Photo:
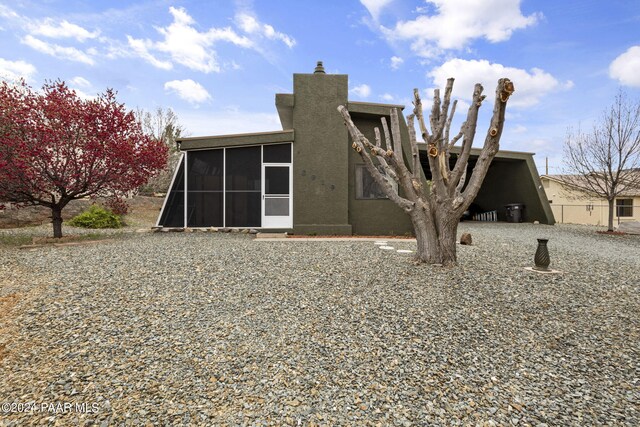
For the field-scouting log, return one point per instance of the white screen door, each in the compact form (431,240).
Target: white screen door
(276,196)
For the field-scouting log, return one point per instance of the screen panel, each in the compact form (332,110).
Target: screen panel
(205,170)
(204,188)
(276,180)
(243,169)
(243,209)
(173,213)
(276,206)
(205,209)
(278,153)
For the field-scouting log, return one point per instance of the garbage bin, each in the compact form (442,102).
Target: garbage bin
(515,212)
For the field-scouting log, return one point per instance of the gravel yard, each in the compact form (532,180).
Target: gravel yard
(219,329)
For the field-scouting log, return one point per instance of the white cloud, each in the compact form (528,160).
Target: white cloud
(375,6)
(6,12)
(530,86)
(184,44)
(14,70)
(626,67)
(64,29)
(80,81)
(62,52)
(188,90)
(396,62)
(457,23)
(141,48)
(361,91)
(250,24)
(83,95)
(387,97)
(519,129)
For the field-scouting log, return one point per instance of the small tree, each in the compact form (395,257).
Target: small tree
(606,161)
(56,147)
(162,124)
(435,207)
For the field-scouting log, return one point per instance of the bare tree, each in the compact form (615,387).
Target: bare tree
(435,207)
(162,124)
(606,161)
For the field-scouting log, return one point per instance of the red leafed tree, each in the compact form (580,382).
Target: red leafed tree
(56,147)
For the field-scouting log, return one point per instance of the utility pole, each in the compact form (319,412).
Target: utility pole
(546,166)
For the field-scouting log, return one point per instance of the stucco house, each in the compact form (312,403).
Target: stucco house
(306,179)
(574,206)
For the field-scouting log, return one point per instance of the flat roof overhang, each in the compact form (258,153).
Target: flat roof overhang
(234,140)
(371,108)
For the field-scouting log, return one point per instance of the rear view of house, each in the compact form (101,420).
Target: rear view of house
(307,179)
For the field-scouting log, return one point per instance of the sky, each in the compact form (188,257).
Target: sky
(218,64)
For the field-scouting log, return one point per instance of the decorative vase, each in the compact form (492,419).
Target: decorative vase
(541,258)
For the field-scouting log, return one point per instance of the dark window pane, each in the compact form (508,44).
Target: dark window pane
(278,153)
(205,209)
(624,207)
(243,209)
(205,170)
(366,186)
(276,180)
(173,213)
(243,169)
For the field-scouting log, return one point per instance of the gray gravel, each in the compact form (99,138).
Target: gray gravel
(219,329)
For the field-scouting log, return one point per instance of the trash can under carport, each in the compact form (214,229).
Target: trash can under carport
(515,212)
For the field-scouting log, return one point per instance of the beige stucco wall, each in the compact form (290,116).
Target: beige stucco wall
(571,206)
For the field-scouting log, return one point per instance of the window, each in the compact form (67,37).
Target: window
(367,187)
(624,207)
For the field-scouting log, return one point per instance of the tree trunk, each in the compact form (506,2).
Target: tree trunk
(434,247)
(611,206)
(56,220)
(447,242)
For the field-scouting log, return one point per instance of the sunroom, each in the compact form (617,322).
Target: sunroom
(240,181)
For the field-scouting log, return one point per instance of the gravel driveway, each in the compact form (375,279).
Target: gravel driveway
(219,329)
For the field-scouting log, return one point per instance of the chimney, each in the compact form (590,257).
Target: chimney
(319,68)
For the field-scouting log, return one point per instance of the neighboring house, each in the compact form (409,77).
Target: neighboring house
(575,206)
(307,178)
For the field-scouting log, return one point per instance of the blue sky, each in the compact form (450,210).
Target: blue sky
(218,64)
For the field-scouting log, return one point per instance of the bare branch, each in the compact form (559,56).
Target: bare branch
(491,143)
(417,110)
(437,176)
(468,130)
(390,172)
(447,126)
(434,117)
(362,143)
(415,152)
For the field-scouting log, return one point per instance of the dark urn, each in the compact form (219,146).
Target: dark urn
(541,258)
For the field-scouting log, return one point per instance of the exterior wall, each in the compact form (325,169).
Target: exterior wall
(320,155)
(570,206)
(380,216)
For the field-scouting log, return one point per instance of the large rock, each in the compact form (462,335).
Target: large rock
(630,227)
(465,239)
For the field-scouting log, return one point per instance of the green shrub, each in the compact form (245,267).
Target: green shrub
(96,217)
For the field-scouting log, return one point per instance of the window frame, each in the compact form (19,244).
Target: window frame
(624,208)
